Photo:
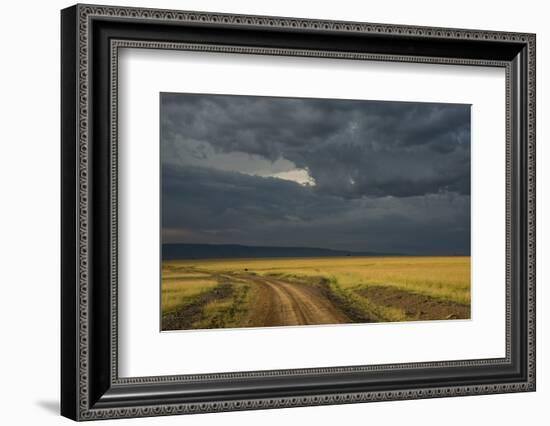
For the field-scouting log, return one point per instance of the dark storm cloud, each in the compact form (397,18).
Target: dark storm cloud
(381,176)
(350,148)
(209,206)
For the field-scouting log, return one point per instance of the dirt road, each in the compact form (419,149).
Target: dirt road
(289,303)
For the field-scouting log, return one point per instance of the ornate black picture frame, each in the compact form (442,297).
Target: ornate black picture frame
(91,387)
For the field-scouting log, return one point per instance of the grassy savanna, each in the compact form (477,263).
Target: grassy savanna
(231,293)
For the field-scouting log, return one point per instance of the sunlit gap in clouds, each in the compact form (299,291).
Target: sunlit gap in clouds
(300,176)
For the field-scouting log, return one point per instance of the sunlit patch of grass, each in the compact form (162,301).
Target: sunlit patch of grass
(440,277)
(443,278)
(178,292)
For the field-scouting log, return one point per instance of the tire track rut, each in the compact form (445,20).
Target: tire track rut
(283,303)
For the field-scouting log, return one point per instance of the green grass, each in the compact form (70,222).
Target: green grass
(227,313)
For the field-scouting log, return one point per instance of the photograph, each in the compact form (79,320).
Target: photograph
(285,211)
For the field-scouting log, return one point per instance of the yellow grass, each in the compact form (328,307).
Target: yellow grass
(440,277)
(180,288)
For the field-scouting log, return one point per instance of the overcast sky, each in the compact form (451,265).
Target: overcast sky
(340,174)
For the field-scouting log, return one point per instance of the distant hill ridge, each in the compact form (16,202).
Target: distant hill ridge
(228,251)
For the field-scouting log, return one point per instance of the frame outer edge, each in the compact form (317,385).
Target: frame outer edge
(83,12)
(83,61)
(531,200)
(69,221)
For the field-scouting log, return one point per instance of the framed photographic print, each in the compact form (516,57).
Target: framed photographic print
(338,188)
(263,212)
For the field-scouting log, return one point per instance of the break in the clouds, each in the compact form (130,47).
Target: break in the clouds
(342,174)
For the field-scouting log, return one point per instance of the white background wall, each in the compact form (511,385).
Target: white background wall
(29,212)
